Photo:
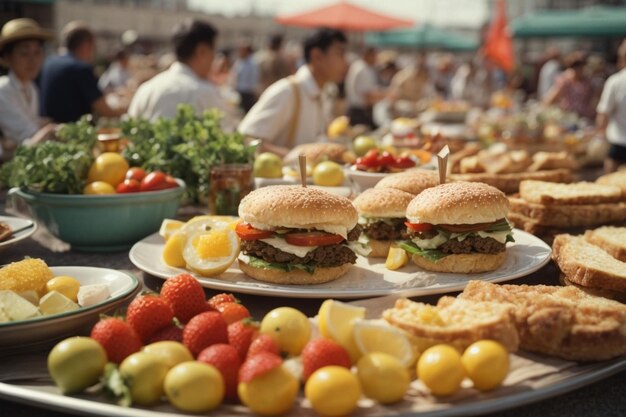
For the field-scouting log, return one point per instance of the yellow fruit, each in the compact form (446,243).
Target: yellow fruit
(371,336)
(98,188)
(289,328)
(441,370)
(486,363)
(146,373)
(26,275)
(207,223)
(270,394)
(169,227)
(194,387)
(170,352)
(211,253)
(333,391)
(338,127)
(173,250)
(328,174)
(336,321)
(268,165)
(396,258)
(383,377)
(76,363)
(65,285)
(362,144)
(109,167)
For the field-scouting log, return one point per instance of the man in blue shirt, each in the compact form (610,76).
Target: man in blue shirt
(246,77)
(68,85)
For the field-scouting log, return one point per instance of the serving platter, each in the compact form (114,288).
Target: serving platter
(368,278)
(25,228)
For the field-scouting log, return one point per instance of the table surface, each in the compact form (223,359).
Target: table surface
(604,398)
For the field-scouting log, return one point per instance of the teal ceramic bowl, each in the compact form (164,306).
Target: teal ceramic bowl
(102,223)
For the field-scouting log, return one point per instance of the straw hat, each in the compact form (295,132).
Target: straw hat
(20,29)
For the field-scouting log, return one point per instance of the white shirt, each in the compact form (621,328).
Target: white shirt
(613,104)
(19,109)
(271,117)
(160,96)
(360,80)
(547,77)
(115,76)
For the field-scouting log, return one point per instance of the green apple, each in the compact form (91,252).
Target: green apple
(362,144)
(268,165)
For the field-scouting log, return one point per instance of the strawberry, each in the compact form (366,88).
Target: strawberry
(233,312)
(240,335)
(263,343)
(185,295)
(323,352)
(118,339)
(171,332)
(204,330)
(148,314)
(221,298)
(257,365)
(226,359)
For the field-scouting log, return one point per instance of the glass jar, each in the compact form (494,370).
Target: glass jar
(229,184)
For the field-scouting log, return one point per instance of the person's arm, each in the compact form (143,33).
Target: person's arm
(42,134)
(606,106)
(555,92)
(14,124)
(101,108)
(602,121)
(267,146)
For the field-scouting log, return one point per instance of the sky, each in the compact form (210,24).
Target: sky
(454,13)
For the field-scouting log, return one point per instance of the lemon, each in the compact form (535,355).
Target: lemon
(109,167)
(383,377)
(211,253)
(362,144)
(441,370)
(173,250)
(333,391)
(486,363)
(270,394)
(396,258)
(328,173)
(195,387)
(338,127)
(336,321)
(371,336)
(98,187)
(172,353)
(169,227)
(207,223)
(268,165)
(76,363)
(146,373)
(65,285)
(289,328)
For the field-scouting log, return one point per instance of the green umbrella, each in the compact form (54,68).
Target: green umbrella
(421,37)
(598,21)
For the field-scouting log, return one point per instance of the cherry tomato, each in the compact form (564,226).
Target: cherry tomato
(171,181)
(128,186)
(402,162)
(419,227)
(247,232)
(312,239)
(370,159)
(154,181)
(135,173)
(386,159)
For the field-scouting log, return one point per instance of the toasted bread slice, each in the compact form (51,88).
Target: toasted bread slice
(611,239)
(559,321)
(542,192)
(455,159)
(509,183)
(552,160)
(598,292)
(587,264)
(454,321)
(471,164)
(569,215)
(617,179)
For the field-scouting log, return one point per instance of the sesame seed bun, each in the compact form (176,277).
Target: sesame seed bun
(297,207)
(412,181)
(458,203)
(295,277)
(465,263)
(382,202)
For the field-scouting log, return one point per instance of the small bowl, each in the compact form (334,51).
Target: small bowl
(362,180)
(102,223)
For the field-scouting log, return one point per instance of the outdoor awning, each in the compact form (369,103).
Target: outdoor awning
(421,37)
(597,21)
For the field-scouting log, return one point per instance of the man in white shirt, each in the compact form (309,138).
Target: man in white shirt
(295,110)
(362,89)
(611,117)
(186,80)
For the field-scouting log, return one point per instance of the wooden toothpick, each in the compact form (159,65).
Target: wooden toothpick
(442,163)
(302,163)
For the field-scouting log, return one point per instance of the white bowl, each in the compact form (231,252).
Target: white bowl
(362,180)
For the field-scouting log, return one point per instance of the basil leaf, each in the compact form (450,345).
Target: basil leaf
(502,226)
(432,255)
(509,238)
(262,264)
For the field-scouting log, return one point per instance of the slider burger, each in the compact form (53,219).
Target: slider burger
(412,181)
(382,217)
(296,235)
(458,227)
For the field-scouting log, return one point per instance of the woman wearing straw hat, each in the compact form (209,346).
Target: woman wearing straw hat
(21,49)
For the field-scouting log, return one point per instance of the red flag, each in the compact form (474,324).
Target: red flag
(498,46)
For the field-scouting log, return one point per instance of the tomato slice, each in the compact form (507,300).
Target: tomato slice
(247,232)
(419,227)
(313,239)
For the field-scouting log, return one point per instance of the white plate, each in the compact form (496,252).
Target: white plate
(45,328)
(16,223)
(368,278)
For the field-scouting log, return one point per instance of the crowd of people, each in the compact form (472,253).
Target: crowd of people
(283,99)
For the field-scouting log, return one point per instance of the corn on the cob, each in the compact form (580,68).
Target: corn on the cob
(25,275)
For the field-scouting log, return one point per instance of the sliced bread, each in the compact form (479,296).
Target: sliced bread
(542,192)
(611,239)
(616,178)
(509,183)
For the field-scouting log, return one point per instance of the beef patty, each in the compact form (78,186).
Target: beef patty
(473,244)
(324,256)
(383,230)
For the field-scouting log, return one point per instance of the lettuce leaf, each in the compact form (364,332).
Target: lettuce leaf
(432,255)
(260,263)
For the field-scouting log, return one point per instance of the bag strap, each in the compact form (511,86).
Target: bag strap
(295,116)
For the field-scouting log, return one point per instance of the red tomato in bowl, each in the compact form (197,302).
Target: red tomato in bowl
(135,173)
(157,180)
(128,186)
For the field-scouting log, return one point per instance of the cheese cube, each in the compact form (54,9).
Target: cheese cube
(31,296)
(89,295)
(4,317)
(54,302)
(16,307)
